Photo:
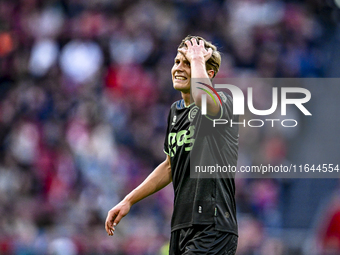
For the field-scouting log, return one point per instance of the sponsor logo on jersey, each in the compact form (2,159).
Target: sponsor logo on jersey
(181,138)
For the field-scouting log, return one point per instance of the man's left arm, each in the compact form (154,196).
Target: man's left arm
(197,55)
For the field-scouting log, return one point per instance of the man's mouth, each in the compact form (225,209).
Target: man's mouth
(180,78)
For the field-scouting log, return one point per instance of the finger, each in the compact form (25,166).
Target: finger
(108,227)
(112,230)
(182,50)
(117,220)
(208,54)
(194,41)
(188,43)
(110,222)
(201,43)
(184,53)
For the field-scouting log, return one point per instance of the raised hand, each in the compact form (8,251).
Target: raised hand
(196,51)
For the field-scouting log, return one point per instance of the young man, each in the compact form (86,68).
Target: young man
(204,217)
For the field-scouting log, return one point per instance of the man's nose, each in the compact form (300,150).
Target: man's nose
(179,67)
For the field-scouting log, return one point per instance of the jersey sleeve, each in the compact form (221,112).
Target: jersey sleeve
(226,109)
(166,140)
(227,101)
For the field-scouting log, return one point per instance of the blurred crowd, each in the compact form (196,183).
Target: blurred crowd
(85,90)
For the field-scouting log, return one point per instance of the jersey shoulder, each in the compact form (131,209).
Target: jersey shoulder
(225,97)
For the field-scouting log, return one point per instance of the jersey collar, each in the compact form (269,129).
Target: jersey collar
(181,105)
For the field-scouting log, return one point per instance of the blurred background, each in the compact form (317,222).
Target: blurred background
(85,90)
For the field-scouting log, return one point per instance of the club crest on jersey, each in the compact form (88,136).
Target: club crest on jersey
(192,113)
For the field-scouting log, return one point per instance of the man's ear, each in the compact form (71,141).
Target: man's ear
(211,74)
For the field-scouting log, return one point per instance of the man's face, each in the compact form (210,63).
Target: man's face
(181,73)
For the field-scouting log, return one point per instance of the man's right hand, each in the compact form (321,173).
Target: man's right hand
(157,180)
(115,215)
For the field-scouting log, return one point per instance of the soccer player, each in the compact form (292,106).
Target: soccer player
(204,216)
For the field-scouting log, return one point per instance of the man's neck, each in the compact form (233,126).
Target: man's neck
(187,98)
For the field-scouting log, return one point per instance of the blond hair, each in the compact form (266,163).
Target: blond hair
(214,62)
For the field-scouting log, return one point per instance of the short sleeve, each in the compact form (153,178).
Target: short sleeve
(226,109)
(227,106)
(166,140)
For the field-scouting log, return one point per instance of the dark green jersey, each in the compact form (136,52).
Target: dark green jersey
(193,143)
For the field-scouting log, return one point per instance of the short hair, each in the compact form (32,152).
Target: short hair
(214,62)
